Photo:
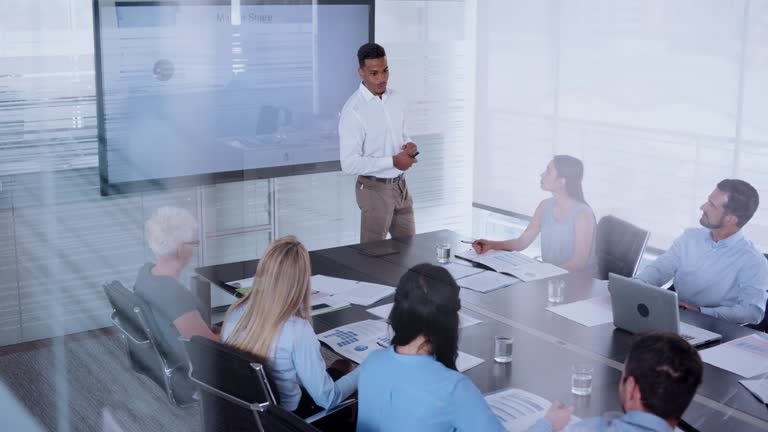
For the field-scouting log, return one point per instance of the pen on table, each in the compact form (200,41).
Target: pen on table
(383,344)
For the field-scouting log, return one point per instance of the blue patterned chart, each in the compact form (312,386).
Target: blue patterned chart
(346,337)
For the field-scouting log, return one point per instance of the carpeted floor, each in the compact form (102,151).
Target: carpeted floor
(98,378)
(95,368)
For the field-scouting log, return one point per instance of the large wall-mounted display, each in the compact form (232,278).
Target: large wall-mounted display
(196,92)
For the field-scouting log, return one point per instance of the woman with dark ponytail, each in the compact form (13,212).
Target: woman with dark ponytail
(414,385)
(565,221)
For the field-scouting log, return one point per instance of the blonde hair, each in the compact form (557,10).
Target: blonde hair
(281,289)
(169,228)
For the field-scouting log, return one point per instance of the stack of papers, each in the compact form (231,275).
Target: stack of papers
(362,293)
(746,356)
(518,409)
(516,264)
(383,312)
(357,340)
(590,312)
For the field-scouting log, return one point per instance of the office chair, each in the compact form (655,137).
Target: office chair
(762,325)
(619,246)
(236,391)
(146,354)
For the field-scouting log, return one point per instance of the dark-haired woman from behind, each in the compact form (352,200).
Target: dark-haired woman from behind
(414,385)
(566,222)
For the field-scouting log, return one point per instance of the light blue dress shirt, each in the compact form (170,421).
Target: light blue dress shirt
(726,279)
(400,393)
(633,421)
(296,361)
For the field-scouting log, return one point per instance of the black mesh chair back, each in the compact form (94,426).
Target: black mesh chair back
(619,246)
(762,325)
(235,389)
(145,353)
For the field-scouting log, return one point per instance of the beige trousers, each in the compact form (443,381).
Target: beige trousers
(385,208)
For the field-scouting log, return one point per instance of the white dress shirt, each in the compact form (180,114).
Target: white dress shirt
(371,131)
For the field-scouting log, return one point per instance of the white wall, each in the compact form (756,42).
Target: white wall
(660,99)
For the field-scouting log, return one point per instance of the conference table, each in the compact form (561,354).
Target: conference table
(545,344)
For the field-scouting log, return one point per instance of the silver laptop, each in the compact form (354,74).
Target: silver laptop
(638,307)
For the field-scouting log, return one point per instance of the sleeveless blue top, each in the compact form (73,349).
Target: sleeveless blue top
(558,237)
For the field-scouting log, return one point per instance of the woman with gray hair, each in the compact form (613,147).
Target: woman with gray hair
(172,235)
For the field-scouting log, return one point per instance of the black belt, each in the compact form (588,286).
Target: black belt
(385,180)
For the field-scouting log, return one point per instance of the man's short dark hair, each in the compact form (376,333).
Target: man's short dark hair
(742,199)
(667,369)
(369,51)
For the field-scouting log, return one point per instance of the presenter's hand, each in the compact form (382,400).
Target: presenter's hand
(482,245)
(410,148)
(559,415)
(403,161)
(689,306)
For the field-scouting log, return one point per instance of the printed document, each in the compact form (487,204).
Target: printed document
(517,410)
(355,341)
(758,387)
(486,281)
(746,356)
(516,264)
(357,292)
(383,312)
(590,312)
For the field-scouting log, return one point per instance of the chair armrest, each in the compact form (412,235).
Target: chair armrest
(327,412)
(133,334)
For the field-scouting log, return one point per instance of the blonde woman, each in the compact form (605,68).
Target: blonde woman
(273,322)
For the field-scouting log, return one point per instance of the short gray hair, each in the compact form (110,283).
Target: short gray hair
(169,228)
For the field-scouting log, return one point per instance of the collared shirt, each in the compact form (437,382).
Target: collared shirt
(296,361)
(371,131)
(727,279)
(633,421)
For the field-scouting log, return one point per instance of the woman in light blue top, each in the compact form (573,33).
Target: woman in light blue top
(273,322)
(565,221)
(414,385)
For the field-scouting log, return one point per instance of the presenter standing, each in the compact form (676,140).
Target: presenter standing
(375,147)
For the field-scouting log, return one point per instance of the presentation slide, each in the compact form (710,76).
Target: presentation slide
(198,89)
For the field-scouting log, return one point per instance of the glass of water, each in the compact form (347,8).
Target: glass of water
(555,290)
(581,378)
(443,252)
(502,351)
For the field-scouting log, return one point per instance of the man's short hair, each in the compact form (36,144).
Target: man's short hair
(667,369)
(370,51)
(169,228)
(742,199)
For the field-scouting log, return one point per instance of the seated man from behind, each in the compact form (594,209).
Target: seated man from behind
(660,378)
(172,235)
(716,270)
